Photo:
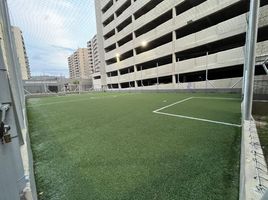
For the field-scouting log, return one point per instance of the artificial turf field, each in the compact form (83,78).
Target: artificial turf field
(113,146)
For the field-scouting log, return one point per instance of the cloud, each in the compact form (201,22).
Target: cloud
(53,29)
(47,61)
(63,48)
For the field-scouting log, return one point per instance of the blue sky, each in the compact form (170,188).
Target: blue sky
(52,30)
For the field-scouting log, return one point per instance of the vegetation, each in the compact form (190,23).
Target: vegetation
(76,82)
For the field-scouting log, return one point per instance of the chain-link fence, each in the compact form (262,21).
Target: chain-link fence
(17,177)
(261,88)
(55,86)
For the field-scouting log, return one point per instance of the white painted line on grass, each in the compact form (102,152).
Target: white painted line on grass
(57,102)
(197,119)
(181,101)
(261,101)
(194,118)
(82,99)
(76,100)
(217,98)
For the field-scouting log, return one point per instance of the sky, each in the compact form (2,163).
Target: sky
(53,30)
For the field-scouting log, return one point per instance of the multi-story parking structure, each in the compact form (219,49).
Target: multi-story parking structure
(169,44)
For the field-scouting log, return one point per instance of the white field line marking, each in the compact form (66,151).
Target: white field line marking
(217,98)
(194,118)
(261,101)
(84,99)
(58,102)
(173,104)
(198,119)
(73,101)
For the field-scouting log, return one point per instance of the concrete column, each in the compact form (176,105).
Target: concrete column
(135,75)
(207,70)
(135,66)
(118,80)
(173,47)
(100,40)
(174,80)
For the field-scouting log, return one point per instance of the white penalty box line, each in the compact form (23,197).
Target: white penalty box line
(195,118)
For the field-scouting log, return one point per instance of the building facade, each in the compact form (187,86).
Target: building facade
(90,56)
(93,54)
(21,53)
(175,44)
(79,64)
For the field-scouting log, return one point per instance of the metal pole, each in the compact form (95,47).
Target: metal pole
(118,79)
(250,57)
(157,75)
(265,68)
(245,57)
(207,70)
(45,88)
(111,85)
(178,73)
(141,77)
(129,78)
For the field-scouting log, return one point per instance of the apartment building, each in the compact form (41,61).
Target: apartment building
(21,53)
(90,57)
(93,54)
(79,64)
(174,44)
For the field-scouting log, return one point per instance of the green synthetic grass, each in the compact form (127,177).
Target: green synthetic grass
(112,146)
(222,110)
